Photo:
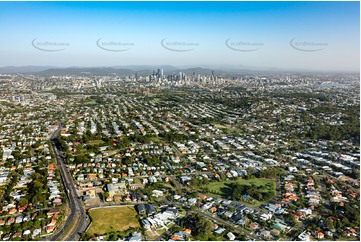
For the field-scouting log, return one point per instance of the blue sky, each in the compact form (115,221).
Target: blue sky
(331,28)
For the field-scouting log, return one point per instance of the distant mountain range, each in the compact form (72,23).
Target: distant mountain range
(123,70)
(24,69)
(143,70)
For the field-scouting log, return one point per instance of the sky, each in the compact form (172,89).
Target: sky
(278,35)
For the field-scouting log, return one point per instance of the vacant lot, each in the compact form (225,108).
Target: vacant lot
(110,219)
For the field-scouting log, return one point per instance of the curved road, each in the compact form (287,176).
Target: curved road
(77,212)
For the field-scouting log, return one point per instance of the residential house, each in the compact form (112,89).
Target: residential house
(319,235)
(140,208)
(150,209)
(304,236)
(231,236)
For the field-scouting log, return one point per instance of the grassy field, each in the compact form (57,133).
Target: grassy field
(96,142)
(156,139)
(224,190)
(92,102)
(110,219)
(223,127)
(257,181)
(217,186)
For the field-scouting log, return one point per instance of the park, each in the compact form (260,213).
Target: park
(250,191)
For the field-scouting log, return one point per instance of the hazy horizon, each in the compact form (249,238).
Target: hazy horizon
(140,67)
(309,36)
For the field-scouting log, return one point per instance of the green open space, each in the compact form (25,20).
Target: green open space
(96,142)
(156,139)
(112,219)
(221,126)
(224,188)
(91,102)
(217,186)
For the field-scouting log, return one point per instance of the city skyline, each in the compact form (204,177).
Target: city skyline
(263,35)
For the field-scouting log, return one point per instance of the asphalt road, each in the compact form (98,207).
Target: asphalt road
(74,203)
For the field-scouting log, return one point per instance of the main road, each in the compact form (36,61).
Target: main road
(77,219)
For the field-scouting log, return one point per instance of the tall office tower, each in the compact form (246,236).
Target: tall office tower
(181,76)
(99,83)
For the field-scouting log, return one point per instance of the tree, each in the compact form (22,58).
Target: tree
(259,196)
(105,195)
(16,227)
(329,224)
(344,222)
(36,145)
(23,202)
(353,214)
(81,159)
(201,228)
(112,237)
(37,224)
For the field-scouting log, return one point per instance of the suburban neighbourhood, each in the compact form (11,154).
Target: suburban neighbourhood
(180,120)
(186,157)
